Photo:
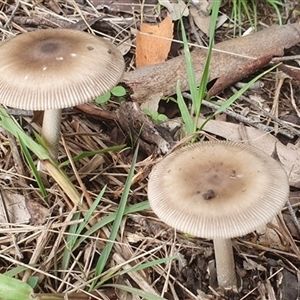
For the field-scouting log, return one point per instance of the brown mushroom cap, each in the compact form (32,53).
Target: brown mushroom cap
(57,68)
(217,189)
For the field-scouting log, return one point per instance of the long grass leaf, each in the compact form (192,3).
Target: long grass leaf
(33,169)
(205,75)
(189,66)
(185,114)
(63,180)
(117,222)
(236,96)
(110,218)
(90,212)
(111,273)
(13,289)
(11,126)
(86,154)
(71,239)
(76,229)
(147,265)
(59,176)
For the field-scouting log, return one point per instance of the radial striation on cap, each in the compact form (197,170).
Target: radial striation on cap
(217,189)
(57,68)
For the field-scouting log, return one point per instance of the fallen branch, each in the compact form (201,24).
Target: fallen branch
(232,60)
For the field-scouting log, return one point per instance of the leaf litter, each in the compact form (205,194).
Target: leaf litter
(267,261)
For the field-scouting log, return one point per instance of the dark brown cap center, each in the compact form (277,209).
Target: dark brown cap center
(49,47)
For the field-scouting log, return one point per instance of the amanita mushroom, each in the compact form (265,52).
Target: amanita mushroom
(218,190)
(52,69)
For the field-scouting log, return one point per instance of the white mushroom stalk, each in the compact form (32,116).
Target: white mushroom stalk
(225,263)
(52,69)
(218,190)
(51,131)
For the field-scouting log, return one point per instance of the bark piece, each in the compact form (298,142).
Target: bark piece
(153,43)
(241,71)
(134,122)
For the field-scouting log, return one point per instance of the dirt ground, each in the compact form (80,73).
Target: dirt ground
(267,261)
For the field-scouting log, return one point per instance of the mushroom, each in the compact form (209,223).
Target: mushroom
(218,190)
(51,69)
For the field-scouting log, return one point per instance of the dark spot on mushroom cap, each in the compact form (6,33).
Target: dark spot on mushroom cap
(209,194)
(90,48)
(49,47)
(233,174)
(215,178)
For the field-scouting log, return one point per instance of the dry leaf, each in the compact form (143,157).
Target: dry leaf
(289,156)
(38,212)
(201,20)
(289,285)
(14,209)
(125,47)
(176,9)
(153,43)
(152,102)
(249,264)
(269,237)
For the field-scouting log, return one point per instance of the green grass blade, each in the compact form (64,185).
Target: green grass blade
(33,169)
(76,229)
(111,273)
(71,239)
(184,111)
(236,96)
(135,208)
(11,126)
(234,15)
(197,95)
(205,76)
(13,289)
(147,265)
(59,176)
(255,14)
(86,154)
(117,222)
(63,180)
(189,66)
(245,6)
(90,212)
(275,5)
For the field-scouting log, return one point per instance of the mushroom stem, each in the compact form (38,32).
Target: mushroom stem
(225,263)
(51,131)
